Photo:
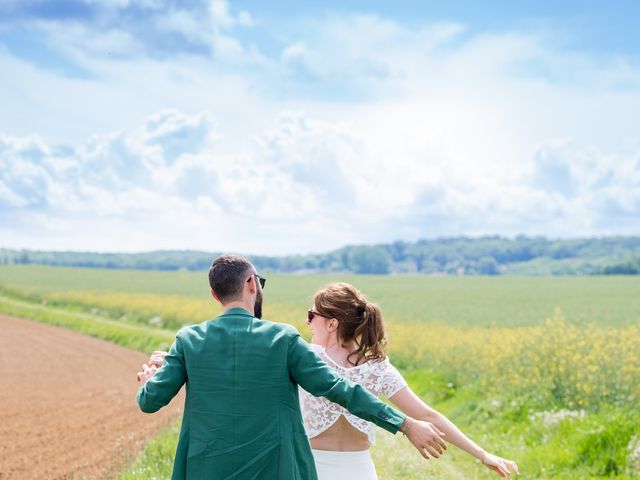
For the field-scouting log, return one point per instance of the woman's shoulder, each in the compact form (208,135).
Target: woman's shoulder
(384,361)
(379,365)
(387,366)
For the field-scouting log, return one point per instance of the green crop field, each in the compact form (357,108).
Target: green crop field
(455,301)
(544,370)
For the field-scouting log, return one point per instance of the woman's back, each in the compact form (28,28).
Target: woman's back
(329,426)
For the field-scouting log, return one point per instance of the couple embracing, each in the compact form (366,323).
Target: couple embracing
(245,416)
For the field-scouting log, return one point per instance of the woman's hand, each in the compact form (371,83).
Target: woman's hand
(146,373)
(500,465)
(157,359)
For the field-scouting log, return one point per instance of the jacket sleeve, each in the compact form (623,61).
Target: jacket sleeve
(311,373)
(167,381)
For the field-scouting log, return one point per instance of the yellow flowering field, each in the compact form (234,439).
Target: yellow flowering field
(556,363)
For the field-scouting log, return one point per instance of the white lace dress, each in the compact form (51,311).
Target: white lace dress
(379,377)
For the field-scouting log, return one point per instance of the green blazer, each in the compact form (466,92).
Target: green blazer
(242,415)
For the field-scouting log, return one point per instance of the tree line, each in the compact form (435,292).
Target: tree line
(489,255)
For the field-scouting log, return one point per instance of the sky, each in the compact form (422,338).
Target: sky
(298,127)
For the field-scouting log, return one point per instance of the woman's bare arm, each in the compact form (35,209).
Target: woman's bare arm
(407,401)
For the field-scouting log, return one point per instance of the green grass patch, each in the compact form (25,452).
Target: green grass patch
(156,460)
(120,333)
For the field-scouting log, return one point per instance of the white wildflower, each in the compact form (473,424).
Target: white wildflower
(633,459)
(554,418)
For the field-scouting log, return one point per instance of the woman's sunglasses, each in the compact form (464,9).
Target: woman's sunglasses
(311,315)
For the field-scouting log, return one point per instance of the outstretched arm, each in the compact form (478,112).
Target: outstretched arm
(407,401)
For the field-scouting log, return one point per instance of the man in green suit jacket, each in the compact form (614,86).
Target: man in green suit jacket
(242,415)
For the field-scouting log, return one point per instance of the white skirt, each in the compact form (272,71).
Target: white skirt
(344,465)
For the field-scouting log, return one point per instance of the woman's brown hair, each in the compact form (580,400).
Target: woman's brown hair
(359,320)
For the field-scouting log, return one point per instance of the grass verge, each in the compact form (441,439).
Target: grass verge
(127,335)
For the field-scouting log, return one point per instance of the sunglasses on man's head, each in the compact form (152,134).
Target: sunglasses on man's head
(262,280)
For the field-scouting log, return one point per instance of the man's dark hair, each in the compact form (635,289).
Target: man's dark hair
(227,276)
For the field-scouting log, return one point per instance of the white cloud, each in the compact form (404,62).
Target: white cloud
(222,16)
(302,185)
(148,180)
(359,129)
(297,56)
(75,38)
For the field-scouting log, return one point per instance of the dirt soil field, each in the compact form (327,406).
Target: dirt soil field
(67,404)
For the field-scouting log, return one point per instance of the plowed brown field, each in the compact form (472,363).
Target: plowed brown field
(67,404)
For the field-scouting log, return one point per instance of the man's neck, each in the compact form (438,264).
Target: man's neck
(246,305)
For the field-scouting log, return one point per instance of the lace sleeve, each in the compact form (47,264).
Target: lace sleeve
(392,382)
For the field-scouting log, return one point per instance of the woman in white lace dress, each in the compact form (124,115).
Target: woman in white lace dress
(348,334)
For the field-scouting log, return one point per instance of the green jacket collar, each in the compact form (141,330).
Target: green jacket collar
(237,311)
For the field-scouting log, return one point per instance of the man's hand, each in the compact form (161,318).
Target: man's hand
(500,465)
(425,437)
(157,359)
(146,373)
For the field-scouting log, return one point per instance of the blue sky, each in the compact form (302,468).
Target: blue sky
(293,127)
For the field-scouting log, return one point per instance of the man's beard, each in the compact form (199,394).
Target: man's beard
(257,307)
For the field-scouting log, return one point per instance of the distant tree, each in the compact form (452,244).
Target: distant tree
(416,254)
(455,255)
(487,266)
(562,250)
(626,268)
(397,250)
(369,260)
